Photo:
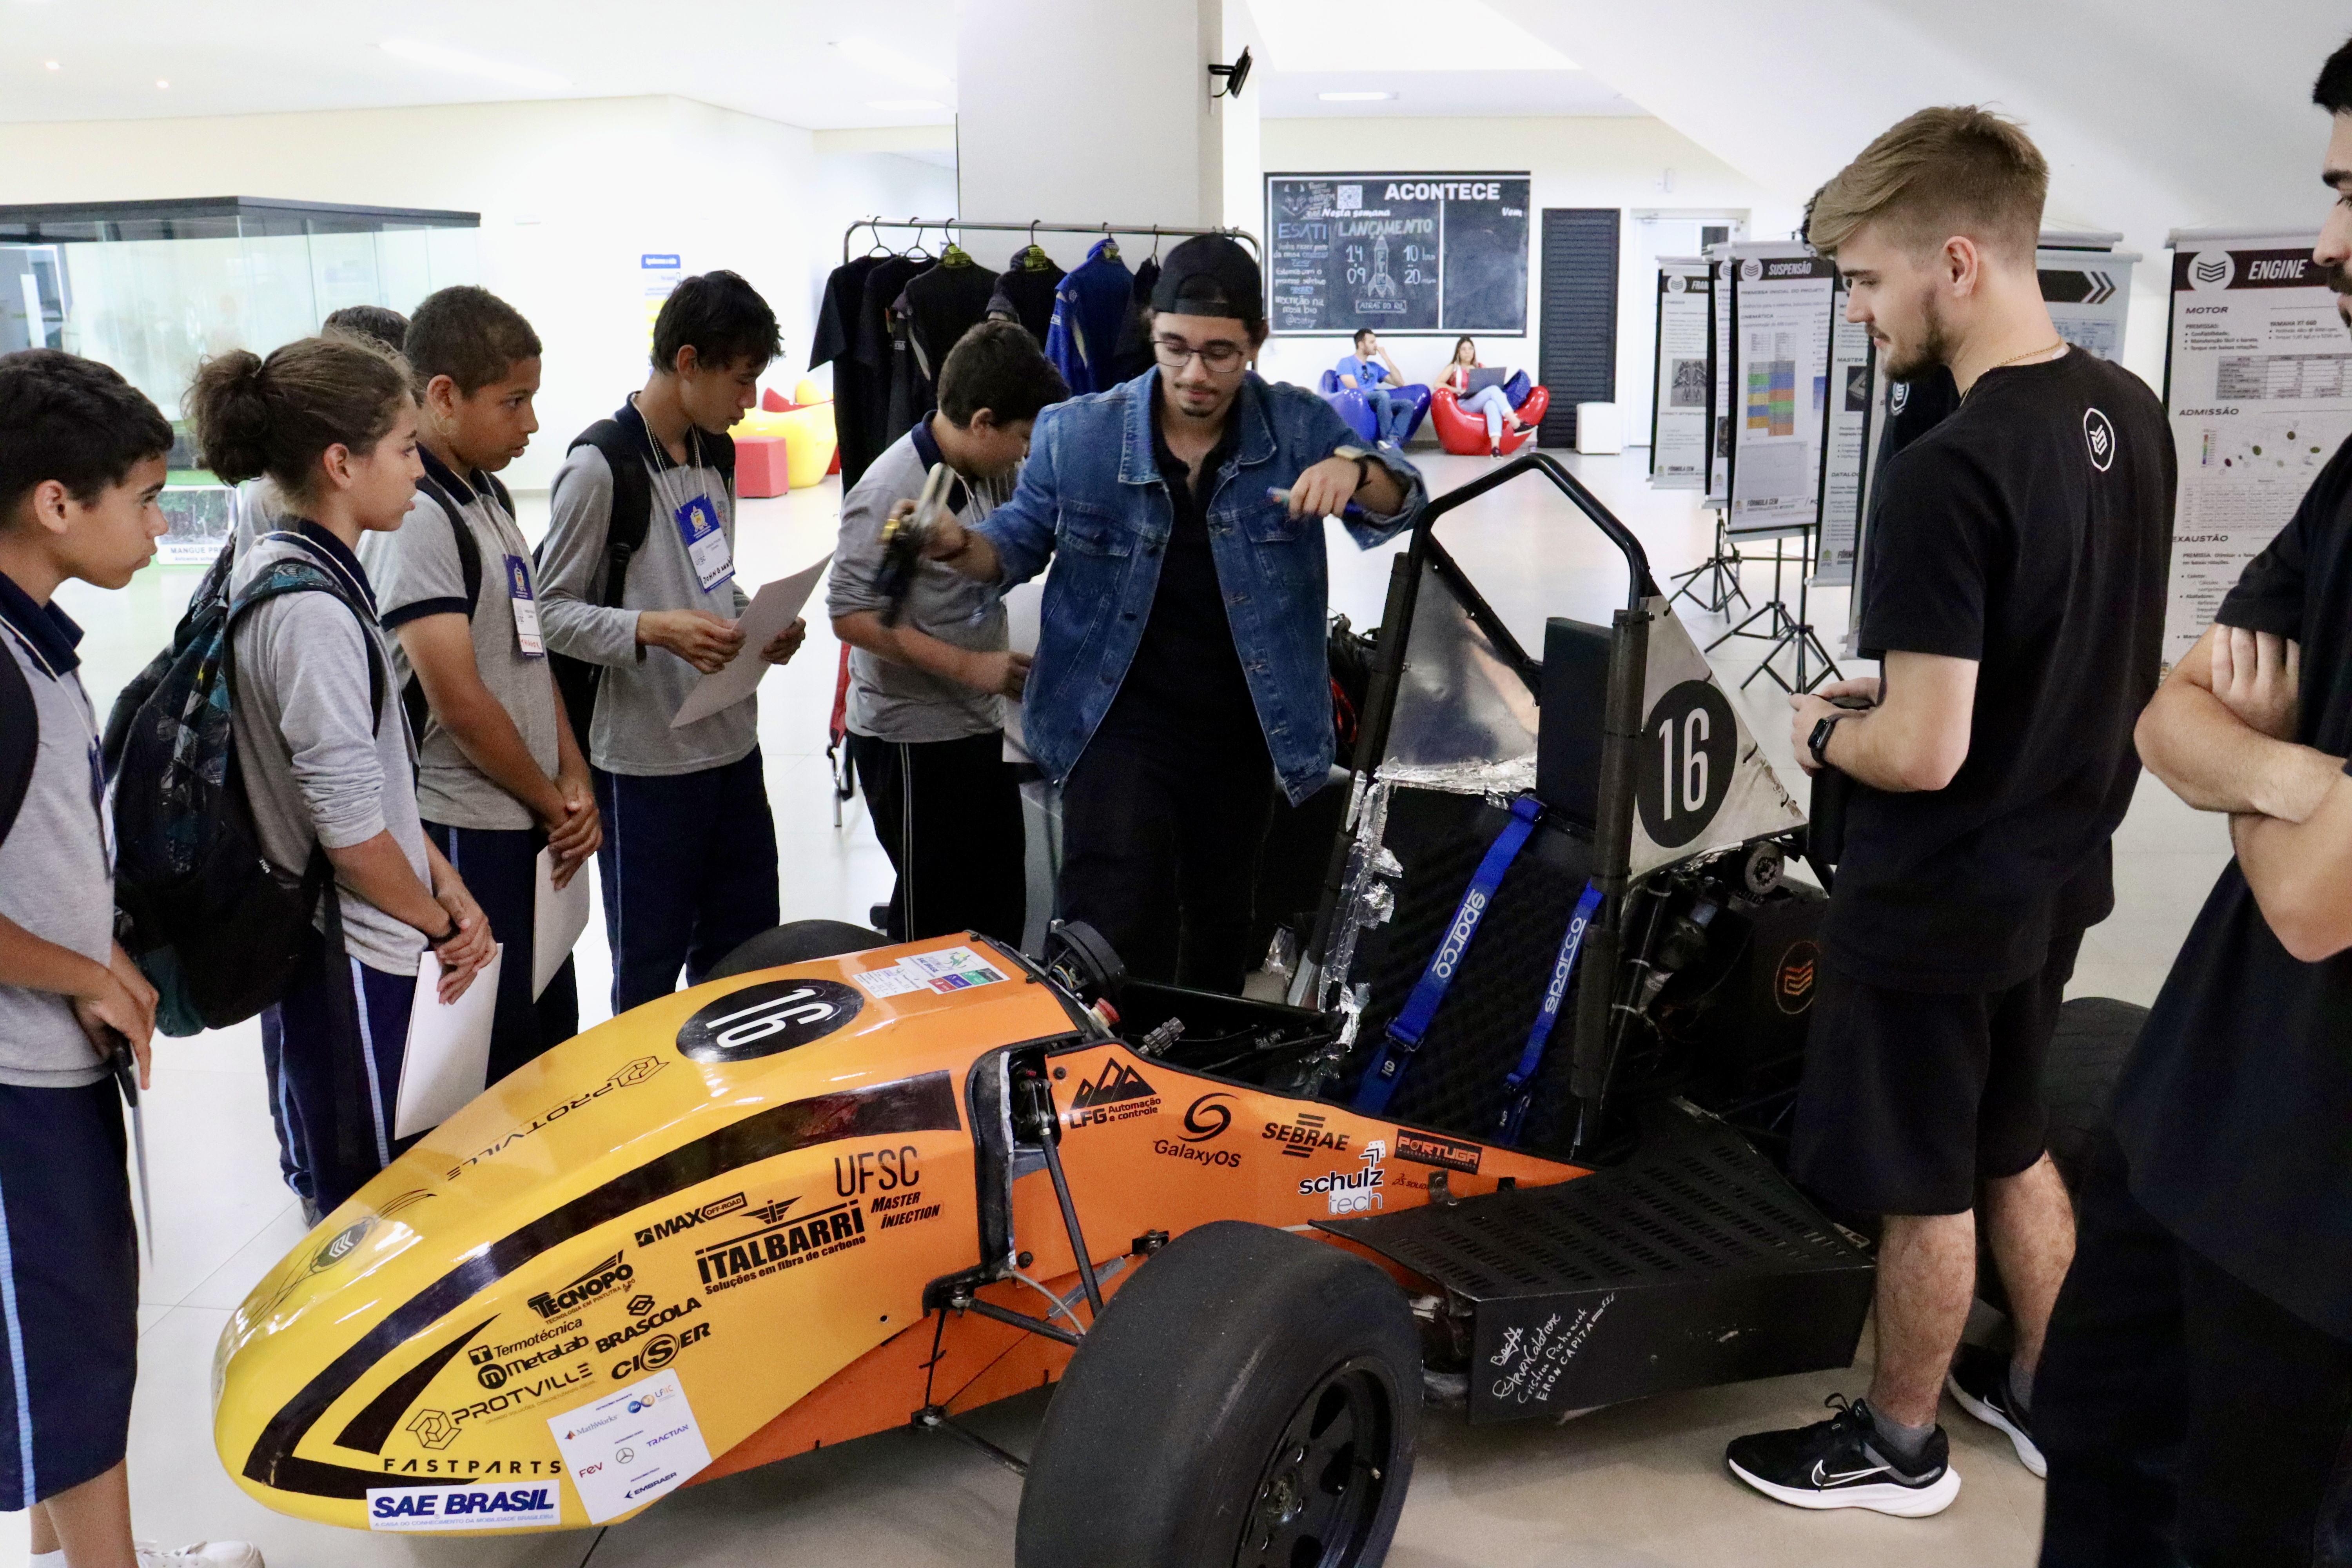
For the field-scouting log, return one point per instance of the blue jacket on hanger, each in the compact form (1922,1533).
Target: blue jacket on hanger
(1089,307)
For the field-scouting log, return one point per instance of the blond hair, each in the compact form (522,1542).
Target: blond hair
(1940,172)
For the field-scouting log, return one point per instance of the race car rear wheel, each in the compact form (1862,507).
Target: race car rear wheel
(1251,1399)
(796,941)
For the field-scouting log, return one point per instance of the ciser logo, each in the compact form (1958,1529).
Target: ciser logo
(604,1276)
(2100,436)
(2212,270)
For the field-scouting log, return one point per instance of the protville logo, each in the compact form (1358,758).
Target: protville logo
(661,1229)
(629,1076)
(606,1276)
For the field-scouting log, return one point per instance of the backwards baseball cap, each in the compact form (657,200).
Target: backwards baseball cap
(1210,275)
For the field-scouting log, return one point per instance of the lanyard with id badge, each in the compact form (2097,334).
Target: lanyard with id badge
(696,521)
(526,609)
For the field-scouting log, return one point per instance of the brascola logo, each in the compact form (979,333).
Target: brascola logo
(647,1322)
(2100,436)
(662,1230)
(608,1275)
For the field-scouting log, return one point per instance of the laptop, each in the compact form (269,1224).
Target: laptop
(1480,380)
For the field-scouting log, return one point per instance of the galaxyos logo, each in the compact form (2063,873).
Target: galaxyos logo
(2100,436)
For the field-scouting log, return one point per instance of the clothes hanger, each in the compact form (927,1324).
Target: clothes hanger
(1033,257)
(952,254)
(874,238)
(1110,244)
(915,251)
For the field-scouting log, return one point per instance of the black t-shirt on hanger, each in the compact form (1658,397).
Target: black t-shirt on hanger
(1029,295)
(2236,1107)
(2030,531)
(943,304)
(869,344)
(853,400)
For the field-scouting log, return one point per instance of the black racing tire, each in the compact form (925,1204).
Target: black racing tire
(1251,1399)
(796,941)
(2095,1037)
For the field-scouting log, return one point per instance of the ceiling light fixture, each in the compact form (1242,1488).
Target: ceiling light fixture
(906,105)
(1366,97)
(161,82)
(887,61)
(52,64)
(464,64)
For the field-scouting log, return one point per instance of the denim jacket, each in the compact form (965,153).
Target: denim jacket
(1091,500)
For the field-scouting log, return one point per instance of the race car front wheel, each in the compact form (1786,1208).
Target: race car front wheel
(1251,1399)
(796,942)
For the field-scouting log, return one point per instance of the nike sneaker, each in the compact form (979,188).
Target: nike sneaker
(1838,1463)
(1979,1381)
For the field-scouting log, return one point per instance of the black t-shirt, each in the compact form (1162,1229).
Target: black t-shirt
(1185,687)
(855,407)
(945,302)
(2030,531)
(2236,1109)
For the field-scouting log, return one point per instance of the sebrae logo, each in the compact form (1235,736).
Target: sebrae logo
(1304,1135)
(2212,270)
(2100,436)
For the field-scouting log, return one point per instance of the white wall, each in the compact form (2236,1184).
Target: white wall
(1574,162)
(571,194)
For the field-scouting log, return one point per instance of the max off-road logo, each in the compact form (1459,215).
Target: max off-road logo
(628,1076)
(1118,1094)
(718,1208)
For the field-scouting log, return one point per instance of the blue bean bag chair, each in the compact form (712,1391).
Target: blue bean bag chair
(1357,409)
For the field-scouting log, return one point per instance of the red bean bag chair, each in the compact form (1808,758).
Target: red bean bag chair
(1464,434)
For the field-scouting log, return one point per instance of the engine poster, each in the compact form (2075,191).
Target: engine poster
(1679,413)
(2259,388)
(1779,330)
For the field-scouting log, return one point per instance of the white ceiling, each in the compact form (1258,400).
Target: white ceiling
(822,65)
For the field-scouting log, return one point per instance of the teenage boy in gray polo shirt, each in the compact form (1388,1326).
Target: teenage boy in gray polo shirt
(498,775)
(927,692)
(689,864)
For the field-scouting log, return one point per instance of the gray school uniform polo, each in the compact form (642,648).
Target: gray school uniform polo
(642,687)
(56,870)
(417,572)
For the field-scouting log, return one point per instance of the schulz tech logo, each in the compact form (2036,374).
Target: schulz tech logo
(2099,436)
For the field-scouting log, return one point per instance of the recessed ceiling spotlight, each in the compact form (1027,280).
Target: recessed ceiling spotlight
(52,64)
(1365,97)
(887,61)
(464,64)
(905,105)
(161,82)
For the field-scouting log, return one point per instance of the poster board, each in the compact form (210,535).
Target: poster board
(2258,388)
(2089,296)
(1780,338)
(1718,381)
(1396,252)
(1678,424)
(1854,364)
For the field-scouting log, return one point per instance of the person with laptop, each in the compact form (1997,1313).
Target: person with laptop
(1480,391)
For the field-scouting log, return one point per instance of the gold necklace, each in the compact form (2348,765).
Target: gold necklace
(2030,354)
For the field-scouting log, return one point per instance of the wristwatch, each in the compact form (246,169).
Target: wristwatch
(1818,742)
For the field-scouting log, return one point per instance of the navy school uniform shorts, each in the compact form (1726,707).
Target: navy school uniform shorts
(69,1289)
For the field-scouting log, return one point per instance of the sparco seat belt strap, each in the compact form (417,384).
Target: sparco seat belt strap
(1412,1021)
(1518,1086)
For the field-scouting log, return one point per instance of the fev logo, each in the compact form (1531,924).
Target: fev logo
(2100,436)
(2212,270)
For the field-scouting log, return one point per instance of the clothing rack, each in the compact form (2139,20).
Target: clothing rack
(1107,230)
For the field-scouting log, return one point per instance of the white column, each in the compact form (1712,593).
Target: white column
(1090,111)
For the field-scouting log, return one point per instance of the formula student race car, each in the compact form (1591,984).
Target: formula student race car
(844,1187)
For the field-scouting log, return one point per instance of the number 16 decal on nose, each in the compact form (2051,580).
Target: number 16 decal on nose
(1689,742)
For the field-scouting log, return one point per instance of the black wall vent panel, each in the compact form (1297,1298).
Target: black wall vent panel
(1578,354)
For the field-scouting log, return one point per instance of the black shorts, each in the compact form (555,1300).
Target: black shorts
(1910,1097)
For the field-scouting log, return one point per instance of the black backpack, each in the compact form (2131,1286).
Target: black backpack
(215,926)
(469,568)
(625,534)
(20,739)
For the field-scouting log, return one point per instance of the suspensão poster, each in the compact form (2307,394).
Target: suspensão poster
(1718,385)
(1851,364)
(1678,414)
(2258,382)
(1780,307)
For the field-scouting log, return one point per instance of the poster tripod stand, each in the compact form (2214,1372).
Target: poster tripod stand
(1714,583)
(1773,612)
(1797,636)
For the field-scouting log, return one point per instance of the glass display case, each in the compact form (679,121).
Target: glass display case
(151,288)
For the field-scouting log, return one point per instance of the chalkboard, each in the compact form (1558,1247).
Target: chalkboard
(1397,253)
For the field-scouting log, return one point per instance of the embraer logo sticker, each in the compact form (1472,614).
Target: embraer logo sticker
(771,1017)
(2100,436)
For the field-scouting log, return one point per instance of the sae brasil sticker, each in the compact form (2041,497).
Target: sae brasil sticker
(539,1505)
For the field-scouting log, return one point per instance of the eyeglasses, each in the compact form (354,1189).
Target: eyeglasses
(1218,358)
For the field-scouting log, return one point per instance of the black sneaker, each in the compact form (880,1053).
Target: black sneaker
(1837,1464)
(1979,1381)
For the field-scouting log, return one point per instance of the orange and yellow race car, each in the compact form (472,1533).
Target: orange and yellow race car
(845,1187)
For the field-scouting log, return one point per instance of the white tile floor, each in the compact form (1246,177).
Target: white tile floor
(1636,1487)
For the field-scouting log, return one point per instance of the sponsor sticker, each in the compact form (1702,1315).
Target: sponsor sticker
(609,1275)
(662,1230)
(534,1507)
(1452,1153)
(1303,1133)
(769,1016)
(782,1243)
(628,1076)
(628,1448)
(950,969)
(1117,1094)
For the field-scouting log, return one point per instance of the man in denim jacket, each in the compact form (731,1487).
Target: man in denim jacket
(1180,670)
